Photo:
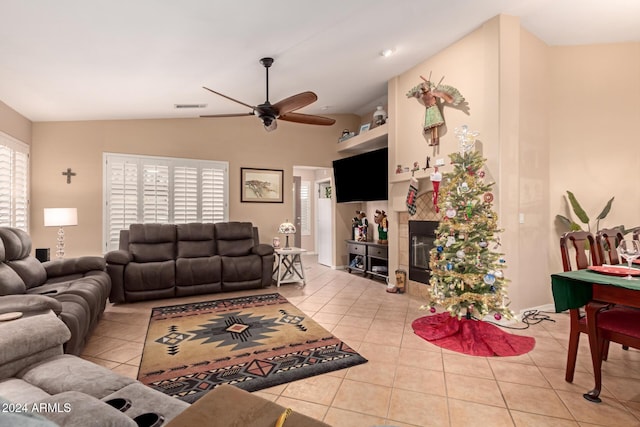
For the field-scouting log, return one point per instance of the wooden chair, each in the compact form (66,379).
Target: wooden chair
(583,244)
(618,325)
(607,241)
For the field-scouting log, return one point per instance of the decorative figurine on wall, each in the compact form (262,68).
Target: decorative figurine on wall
(383,226)
(427,94)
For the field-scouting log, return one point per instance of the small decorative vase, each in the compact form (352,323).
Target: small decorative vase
(379,116)
(276,242)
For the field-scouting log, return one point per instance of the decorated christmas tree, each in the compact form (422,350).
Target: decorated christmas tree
(467,277)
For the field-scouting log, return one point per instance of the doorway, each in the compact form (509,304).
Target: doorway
(312,211)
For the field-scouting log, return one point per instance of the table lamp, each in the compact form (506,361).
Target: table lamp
(60,217)
(287,228)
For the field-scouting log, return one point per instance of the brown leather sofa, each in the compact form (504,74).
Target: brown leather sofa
(77,288)
(171,260)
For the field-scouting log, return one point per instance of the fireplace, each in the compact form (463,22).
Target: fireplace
(421,238)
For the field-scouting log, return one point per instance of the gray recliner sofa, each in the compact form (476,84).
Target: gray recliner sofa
(78,287)
(171,260)
(41,386)
(37,378)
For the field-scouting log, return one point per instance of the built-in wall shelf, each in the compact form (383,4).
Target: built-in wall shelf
(370,140)
(406,176)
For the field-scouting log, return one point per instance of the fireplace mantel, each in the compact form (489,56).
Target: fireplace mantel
(420,175)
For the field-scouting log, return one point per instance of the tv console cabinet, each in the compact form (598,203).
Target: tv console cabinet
(374,258)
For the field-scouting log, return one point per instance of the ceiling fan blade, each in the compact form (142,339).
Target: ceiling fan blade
(307,119)
(229,115)
(229,98)
(295,102)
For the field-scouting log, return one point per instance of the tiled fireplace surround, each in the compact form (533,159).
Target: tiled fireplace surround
(425,211)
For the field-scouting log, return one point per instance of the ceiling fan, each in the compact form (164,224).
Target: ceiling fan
(282,110)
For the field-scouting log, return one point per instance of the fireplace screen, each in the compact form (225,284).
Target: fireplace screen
(421,238)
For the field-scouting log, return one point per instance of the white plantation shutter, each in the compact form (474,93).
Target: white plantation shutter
(185,194)
(155,190)
(14,183)
(214,198)
(122,206)
(146,189)
(21,190)
(6,185)
(305,208)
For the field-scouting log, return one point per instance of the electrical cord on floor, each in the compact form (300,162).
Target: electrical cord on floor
(529,317)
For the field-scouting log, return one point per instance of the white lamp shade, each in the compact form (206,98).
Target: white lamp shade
(60,217)
(287,228)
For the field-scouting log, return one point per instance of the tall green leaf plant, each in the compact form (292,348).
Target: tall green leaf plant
(580,213)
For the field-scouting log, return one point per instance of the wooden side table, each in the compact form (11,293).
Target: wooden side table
(286,270)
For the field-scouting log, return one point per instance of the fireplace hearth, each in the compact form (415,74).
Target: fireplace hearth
(421,241)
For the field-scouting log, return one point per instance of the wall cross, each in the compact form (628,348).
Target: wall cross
(69,174)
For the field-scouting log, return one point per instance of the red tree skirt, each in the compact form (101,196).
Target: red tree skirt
(473,337)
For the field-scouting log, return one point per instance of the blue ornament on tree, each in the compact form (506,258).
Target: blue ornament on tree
(489,278)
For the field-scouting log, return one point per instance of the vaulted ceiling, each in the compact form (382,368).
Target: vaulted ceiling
(123,59)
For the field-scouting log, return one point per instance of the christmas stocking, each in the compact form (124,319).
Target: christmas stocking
(412,195)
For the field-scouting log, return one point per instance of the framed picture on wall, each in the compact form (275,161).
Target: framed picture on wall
(261,185)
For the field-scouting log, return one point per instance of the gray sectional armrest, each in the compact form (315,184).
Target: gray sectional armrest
(262,249)
(80,265)
(25,337)
(29,303)
(119,257)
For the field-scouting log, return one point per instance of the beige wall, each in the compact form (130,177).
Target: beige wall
(502,71)
(595,116)
(240,141)
(14,124)
(533,174)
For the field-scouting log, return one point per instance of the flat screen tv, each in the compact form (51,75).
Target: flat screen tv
(361,178)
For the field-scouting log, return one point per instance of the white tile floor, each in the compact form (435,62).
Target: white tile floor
(408,381)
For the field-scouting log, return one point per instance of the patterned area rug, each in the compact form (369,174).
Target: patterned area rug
(251,342)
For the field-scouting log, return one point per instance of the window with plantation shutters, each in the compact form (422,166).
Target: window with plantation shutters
(147,189)
(14,183)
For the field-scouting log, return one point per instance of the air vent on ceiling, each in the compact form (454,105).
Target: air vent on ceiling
(181,106)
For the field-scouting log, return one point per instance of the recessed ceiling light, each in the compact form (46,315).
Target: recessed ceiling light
(387,53)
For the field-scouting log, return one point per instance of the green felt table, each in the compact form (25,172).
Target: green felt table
(573,289)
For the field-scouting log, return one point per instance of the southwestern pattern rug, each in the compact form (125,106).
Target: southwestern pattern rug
(252,342)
